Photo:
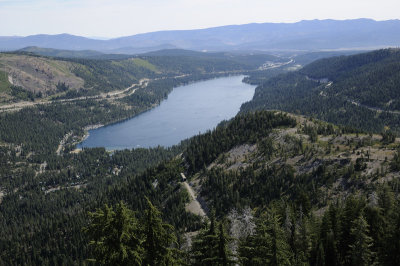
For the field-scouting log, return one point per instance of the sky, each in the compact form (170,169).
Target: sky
(116,18)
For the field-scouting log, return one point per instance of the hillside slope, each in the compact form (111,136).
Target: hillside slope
(298,156)
(39,74)
(309,185)
(29,77)
(360,90)
(60,53)
(255,161)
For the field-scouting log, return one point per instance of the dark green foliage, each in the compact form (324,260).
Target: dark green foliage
(326,240)
(311,132)
(360,250)
(210,246)
(268,246)
(5,85)
(41,128)
(308,58)
(261,76)
(361,86)
(388,137)
(119,238)
(49,216)
(108,75)
(114,73)
(395,164)
(22,94)
(115,236)
(190,65)
(257,187)
(158,239)
(61,86)
(41,214)
(205,148)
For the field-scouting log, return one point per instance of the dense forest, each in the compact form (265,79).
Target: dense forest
(279,205)
(358,90)
(277,188)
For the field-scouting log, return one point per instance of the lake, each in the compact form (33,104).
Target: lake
(188,110)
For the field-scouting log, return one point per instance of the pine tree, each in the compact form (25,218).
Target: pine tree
(360,250)
(200,247)
(255,249)
(115,236)
(302,241)
(393,247)
(210,247)
(351,211)
(159,239)
(320,258)
(280,253)
(268,246)
(224,253)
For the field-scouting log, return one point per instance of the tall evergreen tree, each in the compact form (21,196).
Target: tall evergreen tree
(159,239)
(360,250)
(224,253)
(302,242)
(269,245)
(210,247)
(115,236)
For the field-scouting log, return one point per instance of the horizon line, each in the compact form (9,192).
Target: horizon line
(103,38)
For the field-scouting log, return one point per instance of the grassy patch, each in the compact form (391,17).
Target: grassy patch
(5,85)
(63,67)
(145,64)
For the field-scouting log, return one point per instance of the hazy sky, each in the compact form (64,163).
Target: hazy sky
(113,18)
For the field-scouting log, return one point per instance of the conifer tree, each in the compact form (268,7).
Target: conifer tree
(210,246)
(302,241)
(320,258)
(360,250)
(268,246)
(280,252)
(115,236)
(159,239)
(224,253)
(393,247)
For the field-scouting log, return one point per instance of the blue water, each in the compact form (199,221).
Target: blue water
(189,110)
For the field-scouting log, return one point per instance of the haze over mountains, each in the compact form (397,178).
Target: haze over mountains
(303,35)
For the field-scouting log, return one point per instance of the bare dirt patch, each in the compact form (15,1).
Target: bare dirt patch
(39,74)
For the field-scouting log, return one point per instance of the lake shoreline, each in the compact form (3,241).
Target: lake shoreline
(87,129)
(215,103)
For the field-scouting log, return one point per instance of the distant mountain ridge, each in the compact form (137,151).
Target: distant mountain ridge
(303,35)
(60,53)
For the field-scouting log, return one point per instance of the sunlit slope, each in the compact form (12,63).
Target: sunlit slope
(38,74)
(361,90)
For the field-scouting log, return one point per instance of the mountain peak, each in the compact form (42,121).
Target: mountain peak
(302,35)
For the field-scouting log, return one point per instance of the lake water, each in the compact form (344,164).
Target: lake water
(189,110)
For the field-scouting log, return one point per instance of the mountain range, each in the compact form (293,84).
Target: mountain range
(300,36)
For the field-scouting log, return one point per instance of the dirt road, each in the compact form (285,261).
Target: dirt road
(113,95)
(194,206)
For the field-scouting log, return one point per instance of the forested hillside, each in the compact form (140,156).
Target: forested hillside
(359,90)
(60,53)
(107,91)
(320,194)
(32,77)
(318,191)
(264,188)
